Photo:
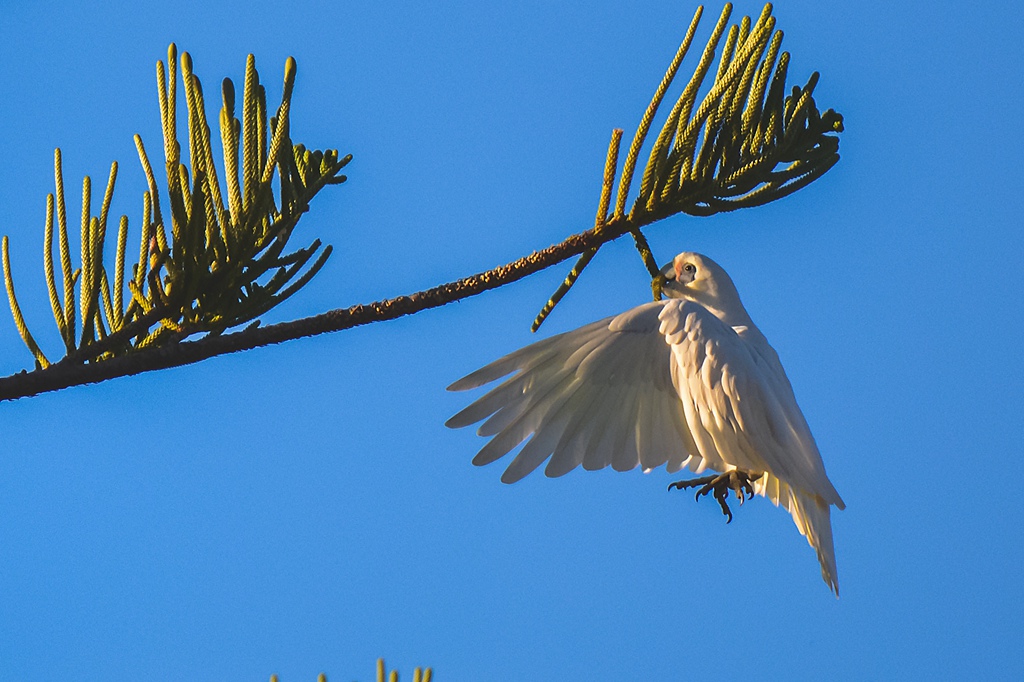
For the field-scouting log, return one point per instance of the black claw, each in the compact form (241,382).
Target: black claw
(720,485)
(725,506)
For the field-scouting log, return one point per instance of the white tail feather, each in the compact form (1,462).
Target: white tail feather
(813,519)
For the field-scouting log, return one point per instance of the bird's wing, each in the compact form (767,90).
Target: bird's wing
(599,395)
(738,402)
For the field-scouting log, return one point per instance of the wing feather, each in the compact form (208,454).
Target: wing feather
(624,454)
(651,437)
(525,358)
(571,447)
(522,426)
(601,395)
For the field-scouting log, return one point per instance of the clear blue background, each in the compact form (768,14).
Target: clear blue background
(301,508)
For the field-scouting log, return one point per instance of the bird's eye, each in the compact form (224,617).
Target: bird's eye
(690,267)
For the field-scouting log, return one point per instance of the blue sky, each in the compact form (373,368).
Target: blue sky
(301,508)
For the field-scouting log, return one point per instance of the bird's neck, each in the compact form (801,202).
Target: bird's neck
(734,317)
(729,309)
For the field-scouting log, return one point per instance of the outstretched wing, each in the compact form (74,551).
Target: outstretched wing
(599,395)
(738,402)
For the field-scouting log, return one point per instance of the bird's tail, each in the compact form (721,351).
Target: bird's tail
(812,516)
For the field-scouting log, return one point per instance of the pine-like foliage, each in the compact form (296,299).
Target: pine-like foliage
(418,674)
(746,143)
(211,256)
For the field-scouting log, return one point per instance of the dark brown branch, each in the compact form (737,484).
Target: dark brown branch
(64,375)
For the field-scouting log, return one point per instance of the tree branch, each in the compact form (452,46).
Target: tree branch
(65,374)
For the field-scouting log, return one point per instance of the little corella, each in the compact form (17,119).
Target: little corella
(687,381)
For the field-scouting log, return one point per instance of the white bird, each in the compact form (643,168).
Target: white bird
(686,382)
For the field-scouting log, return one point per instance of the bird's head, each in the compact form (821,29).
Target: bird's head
(698,278)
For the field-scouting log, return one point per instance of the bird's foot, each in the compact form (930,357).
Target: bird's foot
(657,284)
(739,482)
